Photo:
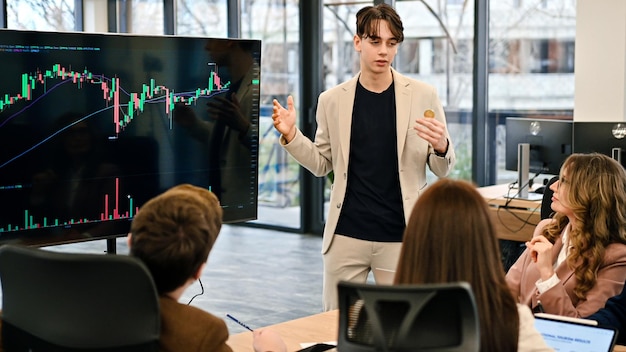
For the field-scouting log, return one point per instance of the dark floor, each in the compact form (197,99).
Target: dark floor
(259,276)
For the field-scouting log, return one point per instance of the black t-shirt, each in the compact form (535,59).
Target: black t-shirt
(372,209)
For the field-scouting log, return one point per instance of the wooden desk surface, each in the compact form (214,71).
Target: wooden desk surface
(316,328)
(495,195)
(515,219)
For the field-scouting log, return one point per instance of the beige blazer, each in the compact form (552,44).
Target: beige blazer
(561,299)
(331,149)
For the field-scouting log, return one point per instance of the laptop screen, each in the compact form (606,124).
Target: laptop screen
(573,335)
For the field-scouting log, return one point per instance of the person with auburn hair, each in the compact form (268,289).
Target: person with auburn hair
(173,234)
(576,260)
(450,238)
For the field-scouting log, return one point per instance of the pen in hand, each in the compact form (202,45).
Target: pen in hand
(238,322)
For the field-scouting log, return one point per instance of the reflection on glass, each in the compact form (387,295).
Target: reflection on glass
(75,171)
(226,127)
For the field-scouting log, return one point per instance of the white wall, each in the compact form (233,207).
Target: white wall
(600,66)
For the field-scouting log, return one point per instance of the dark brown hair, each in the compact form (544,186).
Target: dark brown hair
(596,193)
(174,232)
(450,237)
(369,17)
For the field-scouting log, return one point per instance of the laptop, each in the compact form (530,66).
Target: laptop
(572,334)
(384,276)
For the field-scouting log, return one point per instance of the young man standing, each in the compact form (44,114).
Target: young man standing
(376,132)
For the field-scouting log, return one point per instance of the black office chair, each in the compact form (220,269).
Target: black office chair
(546,201)
(511,250)
(54,301)
(434,317)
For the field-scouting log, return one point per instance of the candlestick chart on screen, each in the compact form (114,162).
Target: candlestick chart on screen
(88,133)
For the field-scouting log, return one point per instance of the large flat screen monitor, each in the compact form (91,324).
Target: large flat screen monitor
(538,146)
(607,138)
(550,143)
(94,125)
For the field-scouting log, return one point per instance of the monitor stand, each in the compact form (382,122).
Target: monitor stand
(616,153)
(523,170)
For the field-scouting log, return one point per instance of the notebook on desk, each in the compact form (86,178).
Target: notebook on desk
(570,334)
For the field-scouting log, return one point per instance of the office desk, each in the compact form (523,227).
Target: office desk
(516,220)
(316,328)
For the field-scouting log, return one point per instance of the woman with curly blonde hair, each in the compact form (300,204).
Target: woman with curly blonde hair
(576,260)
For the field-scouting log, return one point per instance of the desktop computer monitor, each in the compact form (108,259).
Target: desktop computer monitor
(537,146)
(607,138)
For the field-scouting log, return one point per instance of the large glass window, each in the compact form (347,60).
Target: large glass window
(44,15)
(192,17)
(276,23)
(531,66)
(437,49)
(143,16)
(201,17)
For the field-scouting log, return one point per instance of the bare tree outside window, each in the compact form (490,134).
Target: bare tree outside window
(46,15)
(145,16)
(201,17)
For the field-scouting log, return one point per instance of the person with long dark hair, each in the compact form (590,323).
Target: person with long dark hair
(449,238)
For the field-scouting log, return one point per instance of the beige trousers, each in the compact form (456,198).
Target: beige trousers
(350,259)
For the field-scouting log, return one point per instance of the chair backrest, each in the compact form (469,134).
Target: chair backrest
(429,317)
(54,301)
(546,201)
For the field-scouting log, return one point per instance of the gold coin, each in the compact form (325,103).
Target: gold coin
(429,113)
